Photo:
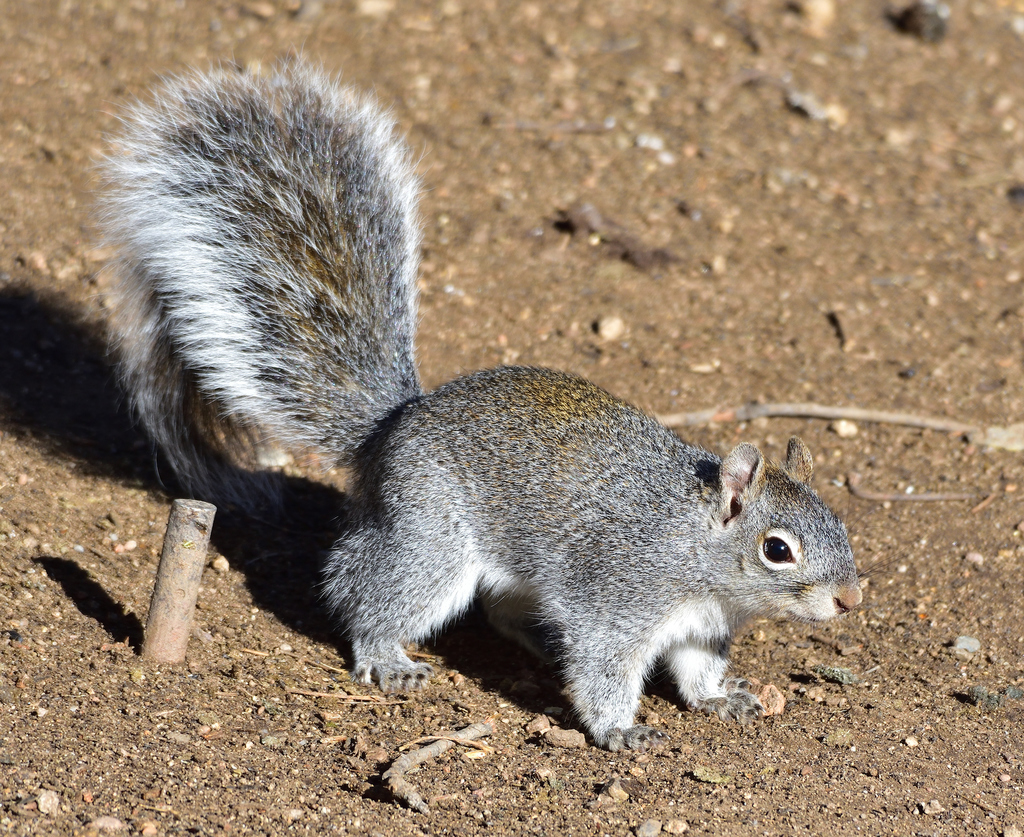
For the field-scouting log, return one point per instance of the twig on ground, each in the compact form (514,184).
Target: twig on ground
(394,776)
(345,696)
(984,504)
(853,483)
(822,411)
(299,657)
(428,739)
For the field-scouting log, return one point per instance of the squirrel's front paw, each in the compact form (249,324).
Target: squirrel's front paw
(635,738)
(738,703)
(395,677)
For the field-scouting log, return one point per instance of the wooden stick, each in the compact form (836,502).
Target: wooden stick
(853,483)
(821,411)
(345,696)
(177,581)
(394,776)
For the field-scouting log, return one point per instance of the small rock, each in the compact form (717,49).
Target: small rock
(649,828)
(710,776)
(610,328)
(375,8)
(615,790)
(773,701)
(567,739)
(818,16)
(292,814)
(179,737)
(1014,693)
(841,737)
(975,558)
(844,429)
(676,827)
(539,724)
(220,564)
(980,696)
(285,648)
(107,825)
(148,828)
(48,802)
(650,141)
(926,19)
(1012,831)
(262,10)
(967,644)
(806,104)
(37,261)
(931,807)
(910,741)
(835,674)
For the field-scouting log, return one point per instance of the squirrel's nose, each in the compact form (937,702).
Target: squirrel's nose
(848,598)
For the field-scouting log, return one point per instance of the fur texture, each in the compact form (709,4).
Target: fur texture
(265,295)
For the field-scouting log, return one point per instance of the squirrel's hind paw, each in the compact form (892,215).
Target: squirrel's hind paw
(405,676)
(636,738)
(738,703)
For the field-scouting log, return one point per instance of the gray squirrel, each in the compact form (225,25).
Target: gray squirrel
(268,242)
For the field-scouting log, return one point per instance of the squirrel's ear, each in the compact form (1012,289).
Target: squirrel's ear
(742,478)
(799,463)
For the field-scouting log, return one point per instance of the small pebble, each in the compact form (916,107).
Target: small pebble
(926,19)
(772,699)
(262,10)
(975,558)
(968,644)
(148,828)
(650,828)
(48,802)
(910,741)
(615,790)
(841,737)
(806,104)
(676,827)
(220,564)
(835,674)
(844,429)
(285,647)
(932,807)
(651,141)
(566,739)
(107,825)
(610,327)
(37,261)
(818,16)
(1014,692)
(980,696)
(539,724)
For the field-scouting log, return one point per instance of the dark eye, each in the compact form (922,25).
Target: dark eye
(777,551)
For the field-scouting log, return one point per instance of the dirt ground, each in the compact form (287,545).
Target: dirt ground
(841,206)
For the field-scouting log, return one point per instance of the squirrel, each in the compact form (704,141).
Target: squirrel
(267,247)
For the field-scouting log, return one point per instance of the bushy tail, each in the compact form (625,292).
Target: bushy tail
(268,241)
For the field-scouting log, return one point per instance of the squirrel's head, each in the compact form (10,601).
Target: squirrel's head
(794,557)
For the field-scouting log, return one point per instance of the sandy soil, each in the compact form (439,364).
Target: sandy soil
(844,208)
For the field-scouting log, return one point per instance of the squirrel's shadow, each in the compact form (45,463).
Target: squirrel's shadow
(57,388)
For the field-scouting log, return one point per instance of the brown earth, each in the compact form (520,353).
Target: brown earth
(865,250)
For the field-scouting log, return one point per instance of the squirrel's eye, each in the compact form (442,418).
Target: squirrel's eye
(777,551)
